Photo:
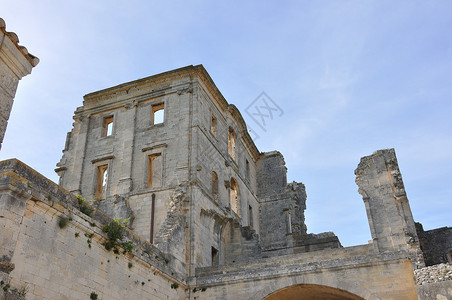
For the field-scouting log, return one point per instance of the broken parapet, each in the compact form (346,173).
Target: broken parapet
(282,205)
(282,220)
(240,243)
(388,211)
(436,244)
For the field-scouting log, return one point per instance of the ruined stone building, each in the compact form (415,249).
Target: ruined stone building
(210,216)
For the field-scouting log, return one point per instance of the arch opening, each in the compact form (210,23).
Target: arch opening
(311,292)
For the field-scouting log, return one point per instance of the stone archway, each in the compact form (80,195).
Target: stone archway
(311,292)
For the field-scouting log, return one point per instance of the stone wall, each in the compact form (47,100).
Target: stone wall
(436,244)
(15,63)
(51,260)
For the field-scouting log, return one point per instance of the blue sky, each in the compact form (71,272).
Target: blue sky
(351,77)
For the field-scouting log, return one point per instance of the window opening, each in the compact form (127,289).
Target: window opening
(108,126)
(289,222)
(250,215)
(213,124)
(158,113)
(214,185)
(215,257)
(232,143)
(151,239)
(102,178)
(155,170)
(234,196)
(247,169)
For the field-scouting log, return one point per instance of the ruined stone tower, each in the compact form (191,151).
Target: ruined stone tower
(172,155)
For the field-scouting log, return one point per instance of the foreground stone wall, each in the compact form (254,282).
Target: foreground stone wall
(15,63)
(51,262)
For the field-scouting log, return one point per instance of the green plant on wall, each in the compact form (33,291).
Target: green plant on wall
(114,231)
(84,205)
(93,296)
(62,222)
(127,246)
(5,286)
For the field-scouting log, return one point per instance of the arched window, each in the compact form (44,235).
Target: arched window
(214,185)
(232,143)
(158,114)
(234,196)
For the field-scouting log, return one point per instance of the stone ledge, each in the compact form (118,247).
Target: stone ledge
(14,39)
(259,270)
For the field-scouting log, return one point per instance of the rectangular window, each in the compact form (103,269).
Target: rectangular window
(231,143)
(108,126)
(215,258)
(155,170)
(101,184)
(158,114)
(250,215)
(213,124)
(247,169)
(214,185)
(152,219)
(289,222)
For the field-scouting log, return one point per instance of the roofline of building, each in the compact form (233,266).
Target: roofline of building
(201,72)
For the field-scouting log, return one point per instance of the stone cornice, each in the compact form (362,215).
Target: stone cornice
(14,55)
(158,81)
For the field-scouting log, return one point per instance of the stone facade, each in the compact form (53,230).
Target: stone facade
(213,189)
(15,63)
(210,216)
